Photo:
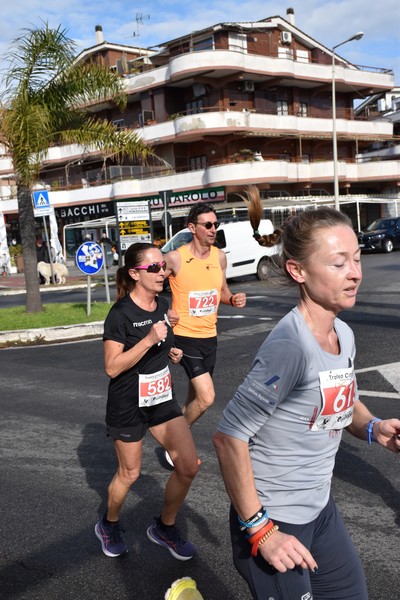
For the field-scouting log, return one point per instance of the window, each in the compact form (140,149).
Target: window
(145,116)
(285,53)
(198,162)
(302,56)
(303,109)
(195,107)
(220,240)
(282,107)
(119,123)
(237,42)
(203,44)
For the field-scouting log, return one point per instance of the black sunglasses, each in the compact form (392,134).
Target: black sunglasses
(154,267)
(208,224)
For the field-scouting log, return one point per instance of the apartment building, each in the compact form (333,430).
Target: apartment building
(229,105)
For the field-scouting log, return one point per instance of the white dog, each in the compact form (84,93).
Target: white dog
(60,272)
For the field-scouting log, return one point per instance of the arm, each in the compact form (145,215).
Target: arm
(238,300)
(173,260)
(385,432)
(116,361)
(282,551)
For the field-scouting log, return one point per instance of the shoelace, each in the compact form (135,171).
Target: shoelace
(114,533)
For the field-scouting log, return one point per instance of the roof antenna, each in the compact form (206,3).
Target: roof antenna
(139,21)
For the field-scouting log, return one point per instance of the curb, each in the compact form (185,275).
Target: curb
(52,334)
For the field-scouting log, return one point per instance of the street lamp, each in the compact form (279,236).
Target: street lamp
(356,36)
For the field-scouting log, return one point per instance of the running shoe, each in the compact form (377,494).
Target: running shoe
(179,548)
(109,535)
(169,459)
(184,588)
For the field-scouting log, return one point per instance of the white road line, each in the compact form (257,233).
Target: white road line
(391,372)
(379,394)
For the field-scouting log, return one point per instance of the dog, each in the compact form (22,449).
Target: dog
(60,272)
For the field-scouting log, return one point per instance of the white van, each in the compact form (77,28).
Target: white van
(243,254)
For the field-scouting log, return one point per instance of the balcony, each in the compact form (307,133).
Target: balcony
(216,64)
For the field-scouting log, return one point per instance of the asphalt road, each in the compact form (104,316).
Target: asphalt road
(56,462)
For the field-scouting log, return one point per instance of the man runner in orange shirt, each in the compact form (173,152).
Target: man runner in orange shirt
(197,276)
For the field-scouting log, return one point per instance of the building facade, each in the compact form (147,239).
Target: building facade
(230,105)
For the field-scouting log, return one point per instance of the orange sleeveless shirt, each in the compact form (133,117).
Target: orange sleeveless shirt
(196,293)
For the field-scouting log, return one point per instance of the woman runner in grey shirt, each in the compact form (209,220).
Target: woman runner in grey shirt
(278,437)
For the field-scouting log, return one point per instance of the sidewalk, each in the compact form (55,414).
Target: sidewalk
(15,284)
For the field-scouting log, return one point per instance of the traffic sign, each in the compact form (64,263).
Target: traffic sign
(133,222)
(89,258)
(41,203)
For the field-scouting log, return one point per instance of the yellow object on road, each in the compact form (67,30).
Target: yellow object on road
(183,589)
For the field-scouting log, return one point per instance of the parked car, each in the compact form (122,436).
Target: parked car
(243,254)
(381,234)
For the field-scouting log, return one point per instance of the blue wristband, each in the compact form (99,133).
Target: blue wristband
(256,519)
(370,430)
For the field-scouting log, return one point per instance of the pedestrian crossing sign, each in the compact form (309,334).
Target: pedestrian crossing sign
(41,199)
(41,202)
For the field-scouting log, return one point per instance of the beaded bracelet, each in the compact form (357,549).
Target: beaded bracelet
(264,538)
(257,535)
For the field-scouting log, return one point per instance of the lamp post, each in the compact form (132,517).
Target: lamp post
(356,36)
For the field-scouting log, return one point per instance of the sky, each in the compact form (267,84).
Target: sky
(147,24)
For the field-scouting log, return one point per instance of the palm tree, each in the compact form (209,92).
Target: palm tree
(46,92)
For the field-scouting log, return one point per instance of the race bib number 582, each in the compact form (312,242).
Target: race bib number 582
(155,388)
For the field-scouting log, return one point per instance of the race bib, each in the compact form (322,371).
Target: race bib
(338,395)
(203,303)
(155,388)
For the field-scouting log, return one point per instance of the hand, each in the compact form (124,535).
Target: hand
(284,552)
(158,333)
(175,354)
(173,317)
(387,433)
(239,300)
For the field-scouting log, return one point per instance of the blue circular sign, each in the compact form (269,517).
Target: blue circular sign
(89,258)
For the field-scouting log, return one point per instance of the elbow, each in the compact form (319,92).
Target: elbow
(111,371)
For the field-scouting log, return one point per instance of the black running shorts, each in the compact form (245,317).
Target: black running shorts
(199,354)
(143,419)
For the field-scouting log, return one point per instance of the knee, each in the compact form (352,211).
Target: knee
(187,470)
(128,476)
(206,399)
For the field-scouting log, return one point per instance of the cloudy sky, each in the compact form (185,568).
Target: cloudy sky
(328,21)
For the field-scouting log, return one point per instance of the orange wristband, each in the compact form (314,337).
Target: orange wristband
(256,536)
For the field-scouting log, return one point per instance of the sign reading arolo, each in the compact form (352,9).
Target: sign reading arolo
(134,223)
(177,199)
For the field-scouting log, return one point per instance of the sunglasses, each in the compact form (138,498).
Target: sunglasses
(154,267)
(208,224)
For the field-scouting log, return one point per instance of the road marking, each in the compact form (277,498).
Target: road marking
(391,372)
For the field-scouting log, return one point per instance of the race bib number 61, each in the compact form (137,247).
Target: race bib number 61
(338,395)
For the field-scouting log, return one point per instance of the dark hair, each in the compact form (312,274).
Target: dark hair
(133,257)
(298,241)
(198,209)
